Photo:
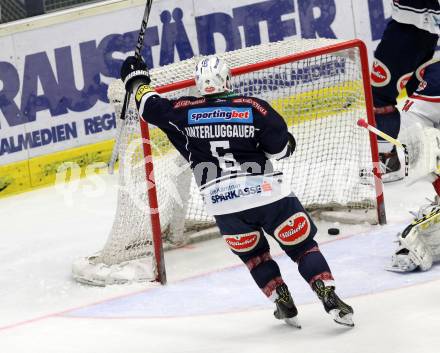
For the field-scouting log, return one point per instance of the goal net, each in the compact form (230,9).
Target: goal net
(320,87)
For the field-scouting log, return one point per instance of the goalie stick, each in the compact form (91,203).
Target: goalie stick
(158,249)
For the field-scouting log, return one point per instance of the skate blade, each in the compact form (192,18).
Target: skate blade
(346,320)
(392,177)
(396,269)
(293,321)
(96,283)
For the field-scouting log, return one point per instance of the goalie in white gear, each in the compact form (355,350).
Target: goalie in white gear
(419,243)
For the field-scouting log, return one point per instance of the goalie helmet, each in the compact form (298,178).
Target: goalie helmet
(213,76)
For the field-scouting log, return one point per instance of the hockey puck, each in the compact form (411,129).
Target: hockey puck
(333,231)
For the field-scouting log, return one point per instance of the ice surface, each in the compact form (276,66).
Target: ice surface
(211,303)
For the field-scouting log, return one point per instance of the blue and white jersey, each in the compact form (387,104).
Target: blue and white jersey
(424,14)
(228,142)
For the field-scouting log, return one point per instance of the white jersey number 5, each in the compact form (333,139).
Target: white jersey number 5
(226,160)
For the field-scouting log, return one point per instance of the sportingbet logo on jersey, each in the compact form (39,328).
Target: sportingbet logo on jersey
(220,115)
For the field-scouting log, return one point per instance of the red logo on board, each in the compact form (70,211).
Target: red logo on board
(243,242)
(294,230)
(380,75)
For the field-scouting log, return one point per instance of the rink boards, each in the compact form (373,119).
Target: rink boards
(47,69)
(41,171)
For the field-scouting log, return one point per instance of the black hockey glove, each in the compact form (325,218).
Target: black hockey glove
(134,72)
(292,143)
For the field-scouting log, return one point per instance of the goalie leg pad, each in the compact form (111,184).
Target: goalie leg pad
(406,260)
(423,142)
(419,244)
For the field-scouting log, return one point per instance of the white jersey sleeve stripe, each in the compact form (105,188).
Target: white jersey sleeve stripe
(423,18)
(426,98)
(279,155)
(145,98)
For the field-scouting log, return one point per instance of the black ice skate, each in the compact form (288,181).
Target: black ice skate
(286,309)
(341,312)
(390,166)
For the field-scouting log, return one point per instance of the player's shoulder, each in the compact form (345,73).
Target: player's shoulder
(188,101)
(240,99)
(260,105)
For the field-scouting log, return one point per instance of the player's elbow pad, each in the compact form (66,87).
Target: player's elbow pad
(287,151)
(291,142)
(143,93)
(291,146)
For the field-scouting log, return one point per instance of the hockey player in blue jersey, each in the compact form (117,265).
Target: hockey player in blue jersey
(407,45)
(229,141)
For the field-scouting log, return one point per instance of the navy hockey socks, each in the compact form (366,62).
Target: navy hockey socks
(312,266)
(266,274)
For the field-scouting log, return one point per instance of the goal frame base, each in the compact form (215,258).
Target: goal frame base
(88,270)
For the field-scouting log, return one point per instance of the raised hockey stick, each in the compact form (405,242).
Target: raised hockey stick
(158,249)
(137,54)
(395,142)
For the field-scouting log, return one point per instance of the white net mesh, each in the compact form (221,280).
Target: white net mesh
(320,97)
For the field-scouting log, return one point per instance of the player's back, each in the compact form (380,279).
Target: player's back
(229,142)
(228,135)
